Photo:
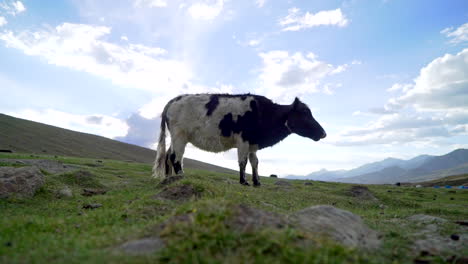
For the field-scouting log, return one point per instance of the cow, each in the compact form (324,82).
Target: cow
(219,122)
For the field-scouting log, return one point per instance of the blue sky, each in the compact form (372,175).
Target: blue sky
(384,78)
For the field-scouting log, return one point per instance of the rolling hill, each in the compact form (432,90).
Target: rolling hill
(391,170)
(20,135)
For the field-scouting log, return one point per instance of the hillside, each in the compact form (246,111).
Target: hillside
(114,213)
(26,136)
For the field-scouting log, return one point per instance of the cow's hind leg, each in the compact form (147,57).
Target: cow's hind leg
(254,162)
(176,156)
(242,156)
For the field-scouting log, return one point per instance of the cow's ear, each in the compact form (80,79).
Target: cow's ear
(296,103)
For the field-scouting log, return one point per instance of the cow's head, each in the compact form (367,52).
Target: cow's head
(301,122)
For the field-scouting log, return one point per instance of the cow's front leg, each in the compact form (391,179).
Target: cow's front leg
(254,162)
(242,155)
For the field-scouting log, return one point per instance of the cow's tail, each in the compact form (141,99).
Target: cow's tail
(159,168)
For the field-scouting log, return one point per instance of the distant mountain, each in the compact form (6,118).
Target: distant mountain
(20,135)
(391,170)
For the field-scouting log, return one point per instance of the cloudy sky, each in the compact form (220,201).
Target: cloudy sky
(385,78)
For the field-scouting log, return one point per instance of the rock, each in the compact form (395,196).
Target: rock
(418,186)
(170,179)
(141,246)
(361,192)
(283,183)
(20,182)
(65,192)
(179,193)
(91,192)
(247,219)
(92,206)
(274,176)
(342,226)
(430,237)
(308,183)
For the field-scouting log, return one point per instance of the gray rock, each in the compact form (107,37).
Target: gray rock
(20,182)
(342,226)
(308,183)
(141,246)
(65,192)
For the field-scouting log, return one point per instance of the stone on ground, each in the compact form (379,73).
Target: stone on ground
(20,182)
(342,226)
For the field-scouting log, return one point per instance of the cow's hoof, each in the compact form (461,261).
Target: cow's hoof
(257,184)
(245,183)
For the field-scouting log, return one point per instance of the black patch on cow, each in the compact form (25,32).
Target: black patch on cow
(212,104)
(177,98)
(262,125)
(176,164)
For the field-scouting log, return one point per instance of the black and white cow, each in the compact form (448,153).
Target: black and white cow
(219,122)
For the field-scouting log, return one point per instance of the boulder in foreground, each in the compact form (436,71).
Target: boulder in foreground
(20,182)
(341,226)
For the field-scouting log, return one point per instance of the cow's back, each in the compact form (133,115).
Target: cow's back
(196,119)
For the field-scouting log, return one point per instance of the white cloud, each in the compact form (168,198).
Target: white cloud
(3,21)
(206,11)
(400,87)
(434,107)
(260,3)
(150,3)
(102,125)
(85,48)
(124,38)
(442,85)
(457,35)
(13,8)
(19,7)
(285,75)
(253,42)
(294,21)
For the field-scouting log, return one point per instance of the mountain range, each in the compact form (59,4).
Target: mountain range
(392,170)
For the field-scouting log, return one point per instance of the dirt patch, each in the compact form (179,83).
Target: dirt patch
(362,193)
(82,178)
(92,192)
(247,219)
(171,179)
(182,192)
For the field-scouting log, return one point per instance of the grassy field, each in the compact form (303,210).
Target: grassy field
(50,229)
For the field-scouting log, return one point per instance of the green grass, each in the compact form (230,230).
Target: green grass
(48,229)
